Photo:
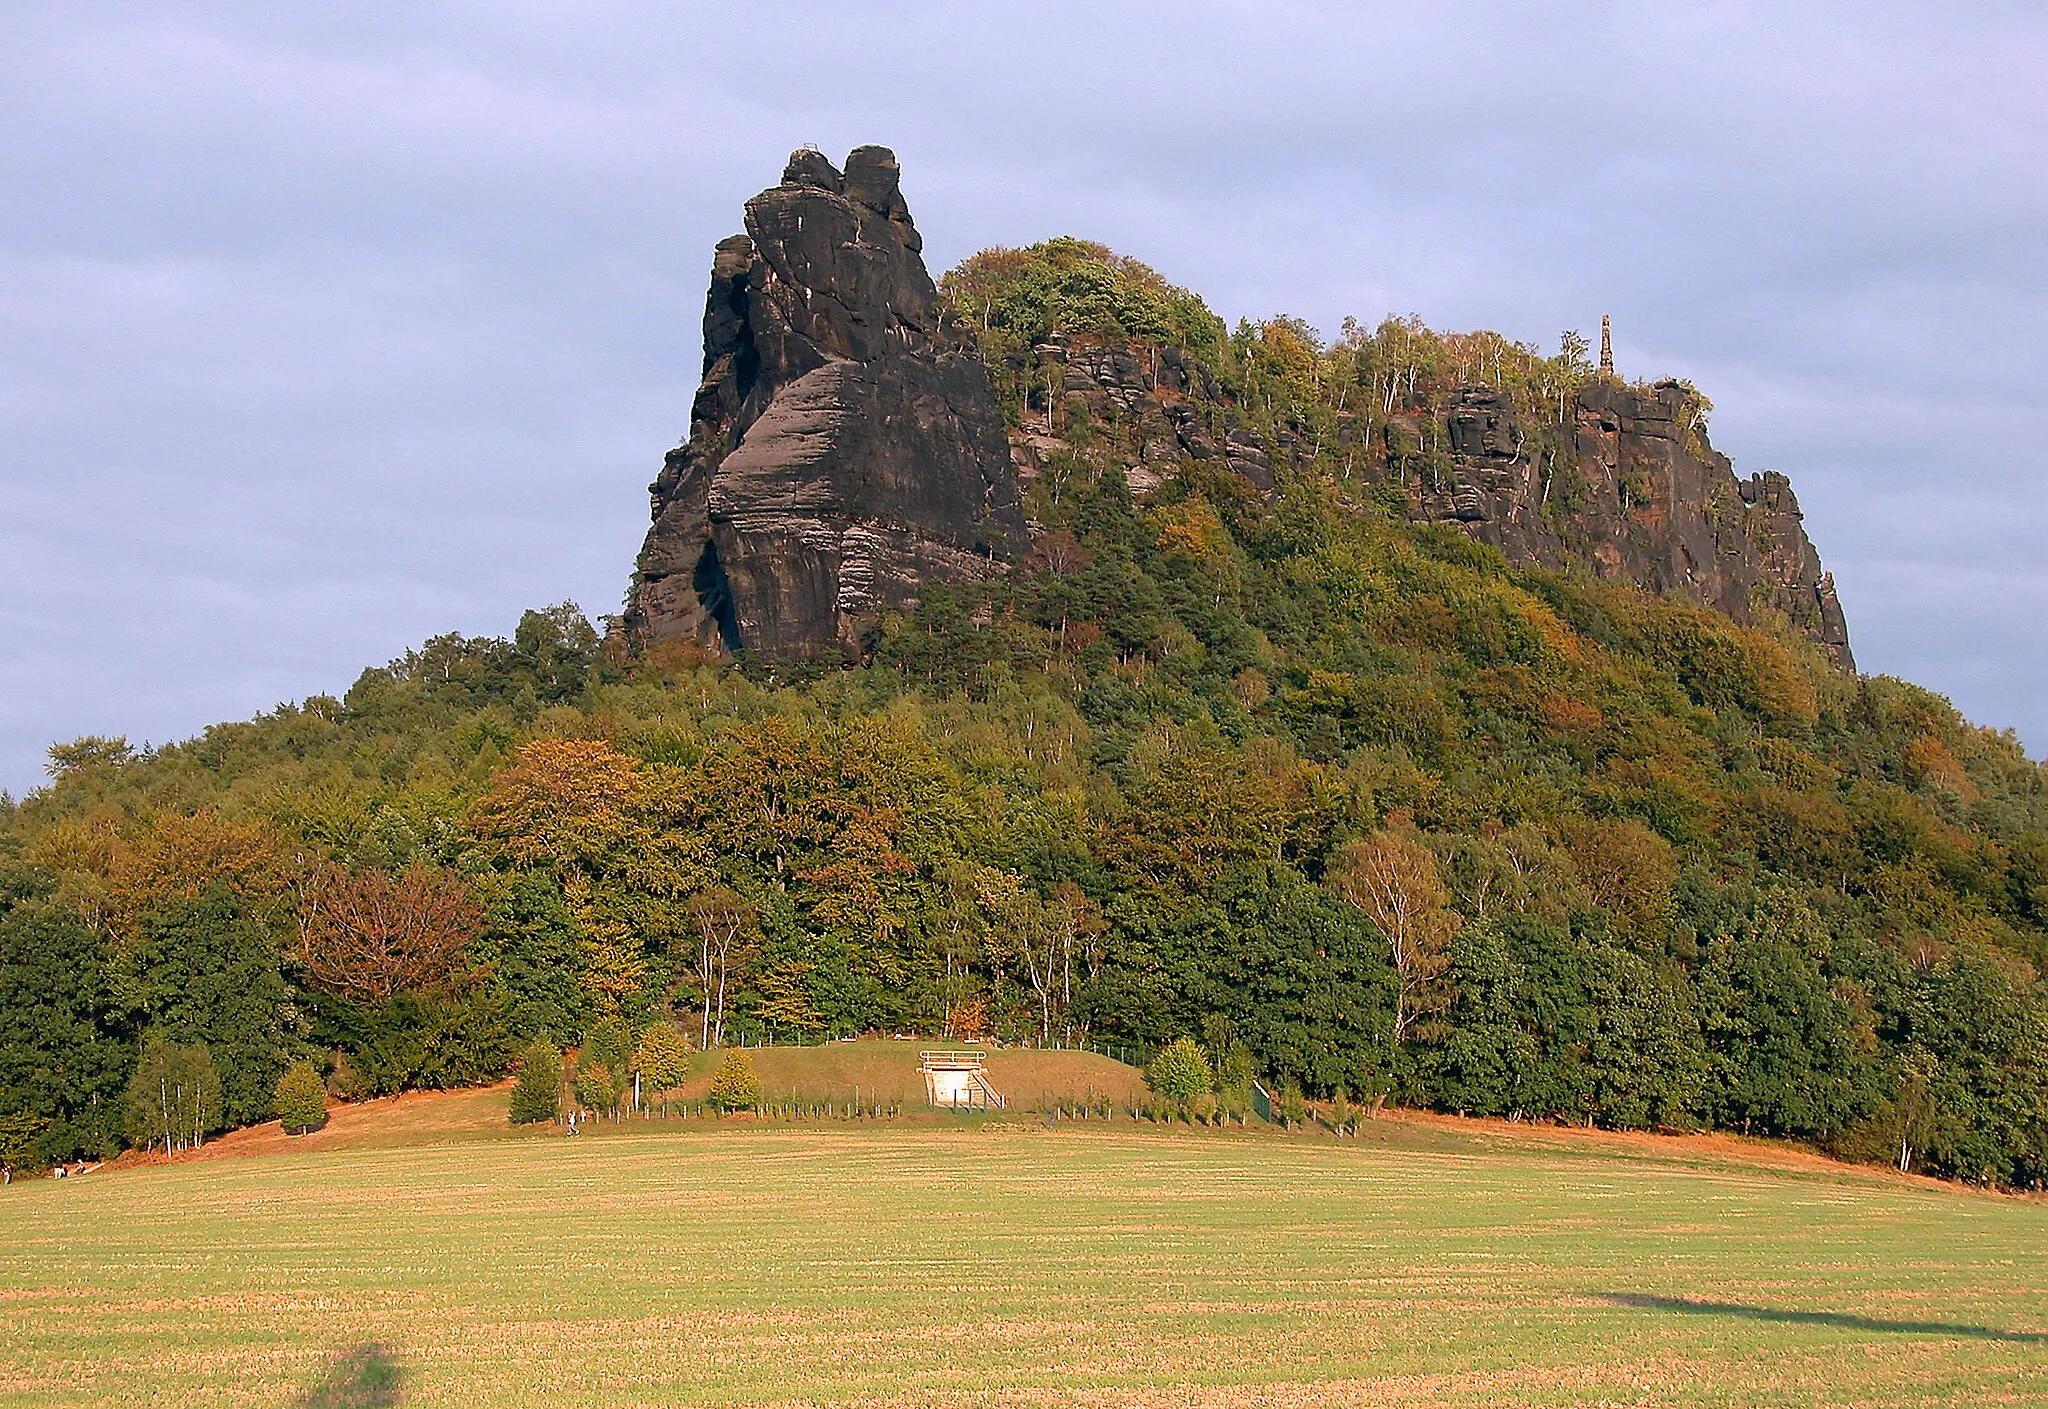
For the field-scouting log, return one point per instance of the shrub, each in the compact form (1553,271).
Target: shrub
(1293,1110)
(664,1056)
(1180,1072)
(301,1099)
(735,1087)
(598,1087)
(538,1096)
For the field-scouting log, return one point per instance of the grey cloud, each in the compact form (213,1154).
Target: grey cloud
(325,328)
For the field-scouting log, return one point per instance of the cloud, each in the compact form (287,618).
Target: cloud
(327,328)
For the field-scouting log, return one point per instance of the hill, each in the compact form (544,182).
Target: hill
(1270,747)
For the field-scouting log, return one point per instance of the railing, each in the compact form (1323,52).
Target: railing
(951,1061)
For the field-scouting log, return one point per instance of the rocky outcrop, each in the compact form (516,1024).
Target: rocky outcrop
(1628,484)
(847,448)
(1619,479)
(845,444)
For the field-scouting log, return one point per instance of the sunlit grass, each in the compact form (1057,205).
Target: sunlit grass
(1103,1265)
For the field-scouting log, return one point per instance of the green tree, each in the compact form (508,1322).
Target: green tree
(206,972)
(174,1098)
(537,1095)
(734,1087)
(1180,1072)
(65,1050)
(18,1140)
(301,1099)
(663,1060)
(607,1048)
(609,1044)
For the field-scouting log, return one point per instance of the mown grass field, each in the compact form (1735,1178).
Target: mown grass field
(927,1264)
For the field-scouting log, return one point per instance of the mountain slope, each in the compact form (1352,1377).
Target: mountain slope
(1252,744)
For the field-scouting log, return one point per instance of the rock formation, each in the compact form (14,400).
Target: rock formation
(1635,491)
(1620,479)
(845,445)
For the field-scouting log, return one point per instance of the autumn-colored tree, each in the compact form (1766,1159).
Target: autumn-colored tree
(368,934)
(178,856)
(600,1088)
(1628,868)
(663,1059)
(563,802)
(614,834)
(1392,878)
(785,1005)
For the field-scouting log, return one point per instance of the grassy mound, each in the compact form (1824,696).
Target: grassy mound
(885,1070)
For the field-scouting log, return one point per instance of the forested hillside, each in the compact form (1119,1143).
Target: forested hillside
(1241,751)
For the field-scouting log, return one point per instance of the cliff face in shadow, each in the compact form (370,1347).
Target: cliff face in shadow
(845,445)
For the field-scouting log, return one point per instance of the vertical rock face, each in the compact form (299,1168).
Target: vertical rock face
(1639,494)
(845,445)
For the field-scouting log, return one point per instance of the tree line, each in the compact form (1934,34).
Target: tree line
(1280,772)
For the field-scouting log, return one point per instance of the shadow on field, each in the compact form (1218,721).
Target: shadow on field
(1820,1318)
(368,1377)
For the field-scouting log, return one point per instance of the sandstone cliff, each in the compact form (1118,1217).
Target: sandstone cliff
(1647,499)
(847,447)
(845,443)
(1622,480)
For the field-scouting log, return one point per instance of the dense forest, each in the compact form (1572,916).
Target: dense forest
(1277,769)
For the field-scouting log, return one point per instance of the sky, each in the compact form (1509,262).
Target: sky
(326,328)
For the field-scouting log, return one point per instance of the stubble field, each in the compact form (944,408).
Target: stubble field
(908,1264)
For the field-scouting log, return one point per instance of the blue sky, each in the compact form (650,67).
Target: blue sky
(325,328)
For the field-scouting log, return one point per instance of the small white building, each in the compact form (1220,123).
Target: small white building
(957,1081)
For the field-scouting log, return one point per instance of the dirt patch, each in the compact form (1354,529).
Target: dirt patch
(1709,1146)
(414,1118)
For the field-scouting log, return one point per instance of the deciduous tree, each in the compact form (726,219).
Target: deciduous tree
(368,934)
(537,1095)
(1392,878)
(663,1060)
(734,1087)
(174,1097)
(725,926)
(1180,1072)
(301,1100)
